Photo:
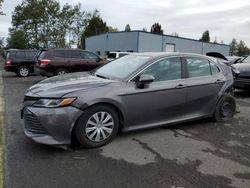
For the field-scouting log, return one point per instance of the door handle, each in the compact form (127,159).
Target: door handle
(181,86)
(219,81)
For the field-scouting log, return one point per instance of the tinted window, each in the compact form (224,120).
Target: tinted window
(59,53)
(20,55)
(198,67)
(89,55)
(167,69)
(31,54)
(76,54)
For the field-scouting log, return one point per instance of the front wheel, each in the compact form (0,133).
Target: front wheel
(61,71)
(97,126)
(225,108)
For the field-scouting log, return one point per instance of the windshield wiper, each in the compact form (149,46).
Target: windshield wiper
(101,76)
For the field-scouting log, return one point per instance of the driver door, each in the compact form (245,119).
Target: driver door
(162,101)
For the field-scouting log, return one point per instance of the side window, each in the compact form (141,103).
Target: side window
(31,55)
(59,53)
(167,69)
(214,68)
(75,54)
(20,55)
(198,67)
(89,55)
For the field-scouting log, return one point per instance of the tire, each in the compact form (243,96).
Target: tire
(97,126)
(61,71)
(23,71)
(225,109)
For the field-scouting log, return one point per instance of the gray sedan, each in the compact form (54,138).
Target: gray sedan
(137,91)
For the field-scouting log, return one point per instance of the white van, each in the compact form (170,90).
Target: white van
(115,55)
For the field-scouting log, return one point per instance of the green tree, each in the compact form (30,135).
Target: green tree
(2,42)
(144,29)
(17,40)
(127,28)
(156,28)
(205,36)
(242,49)
(233,47)
(47,24)
(1,12)
(95,26)
(112,29)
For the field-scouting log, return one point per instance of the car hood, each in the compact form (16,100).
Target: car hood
(244,68)
(58,86)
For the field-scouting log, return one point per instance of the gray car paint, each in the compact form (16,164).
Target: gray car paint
(160,103)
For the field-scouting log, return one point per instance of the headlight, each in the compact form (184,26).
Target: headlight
(50,103)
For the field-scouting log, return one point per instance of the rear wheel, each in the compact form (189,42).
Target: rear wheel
(23,71)
(97,126)
(225,108)
(61,71)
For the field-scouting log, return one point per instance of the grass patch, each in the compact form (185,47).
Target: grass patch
(1,141)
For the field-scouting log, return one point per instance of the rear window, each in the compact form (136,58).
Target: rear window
(42,55)
(20,55)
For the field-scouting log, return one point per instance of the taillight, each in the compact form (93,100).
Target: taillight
(9,62)
(44,62)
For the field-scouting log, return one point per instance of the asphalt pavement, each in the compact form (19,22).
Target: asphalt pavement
(196,154)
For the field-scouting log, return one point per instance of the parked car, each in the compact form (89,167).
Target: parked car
(133,92)
(115,55)
(243,79)
(20,62)
(59,61)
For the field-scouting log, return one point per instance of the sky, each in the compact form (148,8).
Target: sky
(225,19)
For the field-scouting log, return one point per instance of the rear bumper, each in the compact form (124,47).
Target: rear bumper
(51,126)
(10,68)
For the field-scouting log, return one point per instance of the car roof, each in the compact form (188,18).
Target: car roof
(168,54)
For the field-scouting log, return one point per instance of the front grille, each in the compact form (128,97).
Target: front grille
(33,125)
(29,98)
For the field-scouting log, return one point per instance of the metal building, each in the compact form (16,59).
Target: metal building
(140,41)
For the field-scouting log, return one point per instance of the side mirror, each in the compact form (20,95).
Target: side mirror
(99,59)
(144,79)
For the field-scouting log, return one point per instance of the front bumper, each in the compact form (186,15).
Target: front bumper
(50,126)
(241,83)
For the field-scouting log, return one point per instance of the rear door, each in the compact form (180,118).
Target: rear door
(164,100)
(204,82)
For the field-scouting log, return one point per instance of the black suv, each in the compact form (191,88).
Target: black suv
(21,62)
(58,61)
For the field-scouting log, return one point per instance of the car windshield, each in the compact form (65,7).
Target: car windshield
(121,68)
(246,60)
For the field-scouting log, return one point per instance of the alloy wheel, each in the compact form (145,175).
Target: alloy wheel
(24,71)
(99,126)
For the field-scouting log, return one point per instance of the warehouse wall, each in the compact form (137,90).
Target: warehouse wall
(194,46)
(149,42)
(139,41)
(125,41)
